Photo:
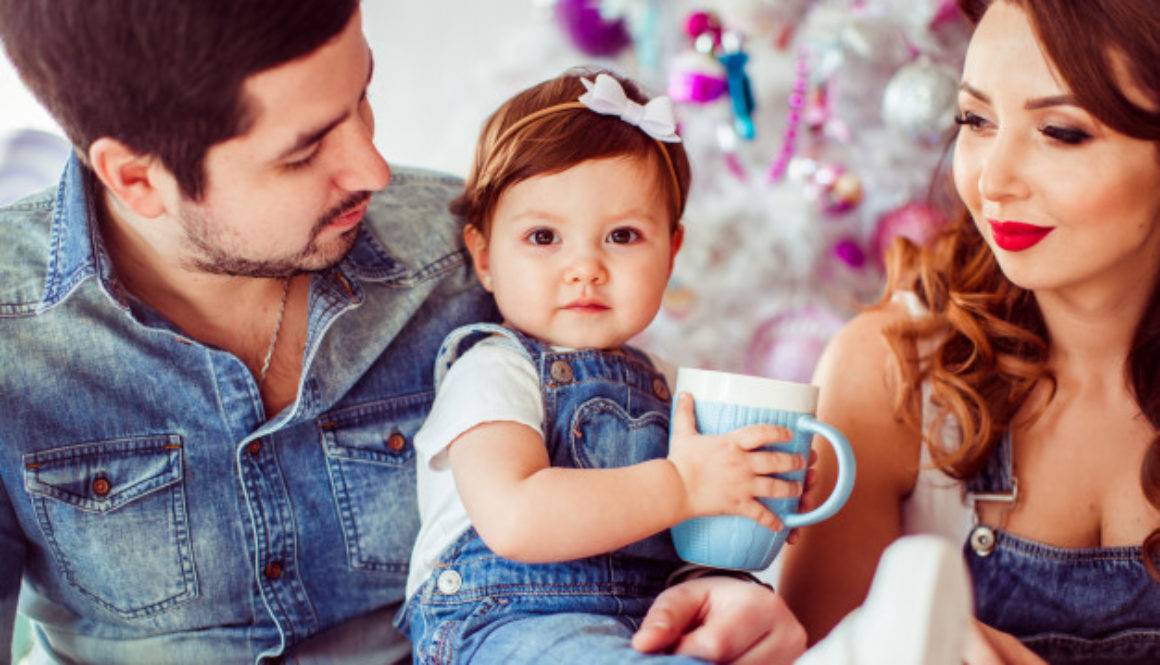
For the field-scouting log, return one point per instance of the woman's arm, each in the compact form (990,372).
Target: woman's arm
(527,510)
(827,573)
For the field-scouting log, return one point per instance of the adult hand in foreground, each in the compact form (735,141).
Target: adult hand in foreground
(722,620)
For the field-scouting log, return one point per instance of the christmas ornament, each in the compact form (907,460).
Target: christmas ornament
(787,345)
(919,101)
(589,31)
(917,221)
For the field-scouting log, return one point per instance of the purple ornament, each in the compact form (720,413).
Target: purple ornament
(850,253)
(916,221)
(589,31)
(788,345)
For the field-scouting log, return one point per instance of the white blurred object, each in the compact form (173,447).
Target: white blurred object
(30,160)
(918,611)
(920,101)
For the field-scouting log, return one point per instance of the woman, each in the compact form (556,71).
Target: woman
(1005,392)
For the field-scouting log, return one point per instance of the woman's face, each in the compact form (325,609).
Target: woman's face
(1065,203)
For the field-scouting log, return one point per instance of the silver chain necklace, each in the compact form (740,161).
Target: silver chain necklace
(274,336)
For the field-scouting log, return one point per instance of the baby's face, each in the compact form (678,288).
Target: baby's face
(580,258)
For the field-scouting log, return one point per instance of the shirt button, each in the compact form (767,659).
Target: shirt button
(561,371)
(254,447)
(449,582)
(396,441)
(273,570)
(661,388)
(344,283)
(101,486)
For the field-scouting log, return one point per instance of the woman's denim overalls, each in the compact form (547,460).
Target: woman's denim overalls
(1069,605)
(601,409)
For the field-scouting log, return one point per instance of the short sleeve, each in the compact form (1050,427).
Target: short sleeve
(492,382)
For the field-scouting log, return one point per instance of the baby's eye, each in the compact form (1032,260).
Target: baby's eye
(542,237)
(623,236)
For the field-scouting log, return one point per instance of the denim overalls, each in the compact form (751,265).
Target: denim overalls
(601,409)
(1069,605)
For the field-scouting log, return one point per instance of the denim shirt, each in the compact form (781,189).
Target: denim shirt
(151,511)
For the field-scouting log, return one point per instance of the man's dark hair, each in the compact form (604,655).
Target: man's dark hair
(164,77)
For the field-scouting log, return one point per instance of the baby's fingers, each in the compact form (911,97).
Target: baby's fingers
(757,512)
(776,488)
(766,462)
(752,437)
(684,418)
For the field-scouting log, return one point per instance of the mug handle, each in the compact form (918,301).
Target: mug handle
(846,471)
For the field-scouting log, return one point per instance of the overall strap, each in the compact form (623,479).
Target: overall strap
(998,475)
(461,339)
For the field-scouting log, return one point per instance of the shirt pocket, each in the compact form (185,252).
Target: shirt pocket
(370,456)
(114,515)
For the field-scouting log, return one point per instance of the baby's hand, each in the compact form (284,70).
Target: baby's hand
(723,474)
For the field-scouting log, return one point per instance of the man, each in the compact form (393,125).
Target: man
(217,342)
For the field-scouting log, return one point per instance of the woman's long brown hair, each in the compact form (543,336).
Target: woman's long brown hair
(987,339)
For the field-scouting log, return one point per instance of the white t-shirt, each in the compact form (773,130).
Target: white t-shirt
(493,381)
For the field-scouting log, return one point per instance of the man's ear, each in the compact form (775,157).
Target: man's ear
(477,247)
(138,181)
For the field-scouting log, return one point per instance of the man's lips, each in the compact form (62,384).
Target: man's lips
(349,218)
(1017,236)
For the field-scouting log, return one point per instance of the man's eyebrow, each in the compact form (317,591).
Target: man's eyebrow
(1030,104)
(313,136)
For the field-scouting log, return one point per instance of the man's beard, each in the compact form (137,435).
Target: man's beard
(211,256)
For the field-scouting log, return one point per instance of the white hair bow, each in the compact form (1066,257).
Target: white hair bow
(656,118)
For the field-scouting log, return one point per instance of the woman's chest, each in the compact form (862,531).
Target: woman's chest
(1078,473)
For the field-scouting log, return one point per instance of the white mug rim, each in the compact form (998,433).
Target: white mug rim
(746,390)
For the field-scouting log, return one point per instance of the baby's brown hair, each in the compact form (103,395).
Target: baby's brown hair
(515,146)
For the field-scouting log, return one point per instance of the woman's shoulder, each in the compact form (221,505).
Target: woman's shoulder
(861,393)
(863,340)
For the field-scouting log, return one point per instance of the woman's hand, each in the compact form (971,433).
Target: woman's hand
(987,646)
(722,620)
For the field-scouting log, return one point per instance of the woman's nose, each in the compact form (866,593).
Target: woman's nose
(1001,170)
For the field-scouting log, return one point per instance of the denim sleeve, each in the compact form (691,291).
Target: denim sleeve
(11,570)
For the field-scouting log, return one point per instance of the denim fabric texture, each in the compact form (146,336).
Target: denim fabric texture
(601,410)
(151,511)
(1069,605)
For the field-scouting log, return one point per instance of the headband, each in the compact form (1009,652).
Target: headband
(606,97)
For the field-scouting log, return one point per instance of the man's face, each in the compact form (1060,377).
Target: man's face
(289,195)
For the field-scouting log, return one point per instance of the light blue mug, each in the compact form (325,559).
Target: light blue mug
(723,402)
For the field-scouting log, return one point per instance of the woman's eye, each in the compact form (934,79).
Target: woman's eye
(1067,135)
(623,236)
(972,120)
(542,237)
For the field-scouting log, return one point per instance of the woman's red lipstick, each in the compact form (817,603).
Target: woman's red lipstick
(1017,236)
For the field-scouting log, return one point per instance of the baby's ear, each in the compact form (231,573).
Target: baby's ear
(675,245)
(476,244)
(140,182)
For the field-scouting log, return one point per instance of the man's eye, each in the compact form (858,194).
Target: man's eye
(623,236)
(542,237)
(301,163)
